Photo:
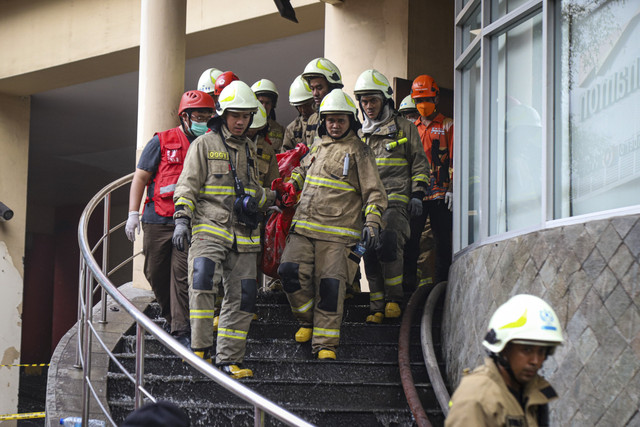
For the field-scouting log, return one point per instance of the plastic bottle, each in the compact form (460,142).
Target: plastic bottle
(77,422)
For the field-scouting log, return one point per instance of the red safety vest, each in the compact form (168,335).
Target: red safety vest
(173,150)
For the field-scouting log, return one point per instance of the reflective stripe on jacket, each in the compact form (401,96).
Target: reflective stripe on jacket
(403,167)
(205,190)
(173,150)
(437,141)
(483,399)
(340,183)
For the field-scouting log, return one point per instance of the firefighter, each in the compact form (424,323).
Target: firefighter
(158,169)
(436,134)
(267,94)
(408,109)
(506,390)
(267,161)
(404,172)
(207,80)
(301,98)
(222,81)
(339,182)
(322,76)
(218,199)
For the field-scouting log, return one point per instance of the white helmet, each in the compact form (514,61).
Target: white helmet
(408,104)
(372,81)
(207,80)
(266,87)
(299,92)
(322,67)
(259,118)
(237,96)
(524,319)
(337,102)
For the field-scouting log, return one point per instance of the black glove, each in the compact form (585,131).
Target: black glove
(182,234)
(370,235)
(415,207)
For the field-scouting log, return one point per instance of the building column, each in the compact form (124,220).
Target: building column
(14,146)
(161,81)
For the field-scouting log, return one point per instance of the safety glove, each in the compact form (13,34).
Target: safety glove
(133,224)
(415,206)
(370,235)
(448,200)
(181,234)
(285,192)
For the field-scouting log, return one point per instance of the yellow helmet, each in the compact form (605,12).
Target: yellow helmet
(299,92)
(372,81)
(207,81)
(337,102)
(524,319)
(322,67)
(237,96)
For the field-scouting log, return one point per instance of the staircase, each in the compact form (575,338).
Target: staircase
(361,388)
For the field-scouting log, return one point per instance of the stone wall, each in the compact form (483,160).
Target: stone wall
(590,274)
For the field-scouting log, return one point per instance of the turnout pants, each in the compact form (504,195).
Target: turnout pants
(384,265)
(314,275)
(209,263)
(165,268)
(441,226)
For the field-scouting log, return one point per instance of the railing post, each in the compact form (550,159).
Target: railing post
(106,232)
(258,417)
(80,335)
(86,367)
(139,365)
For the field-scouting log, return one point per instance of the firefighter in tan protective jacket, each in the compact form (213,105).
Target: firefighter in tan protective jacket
(507,391)
(340,183)
(404,171)
(217,201)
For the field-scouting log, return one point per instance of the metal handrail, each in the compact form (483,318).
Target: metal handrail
(91,271)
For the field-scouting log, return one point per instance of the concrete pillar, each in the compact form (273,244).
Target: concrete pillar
(161,83)
(14,146)
(363,34)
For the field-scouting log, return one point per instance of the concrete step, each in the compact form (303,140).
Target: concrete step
(243,415)
(343,395)
(285,369)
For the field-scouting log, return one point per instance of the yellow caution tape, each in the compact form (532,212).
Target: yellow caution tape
(24,416)
(23,365)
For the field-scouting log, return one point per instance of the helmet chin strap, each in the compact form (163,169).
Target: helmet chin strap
(500,360)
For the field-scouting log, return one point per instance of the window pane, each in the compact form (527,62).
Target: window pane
(499,8)
(598,135)
(516,131)
(471,28)
(471,138)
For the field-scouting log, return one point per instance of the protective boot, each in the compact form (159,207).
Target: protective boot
(203,354)
(327,354)
(216,321)
(255,316)
(392,310)
(236,372)
(304,334)
(375,318)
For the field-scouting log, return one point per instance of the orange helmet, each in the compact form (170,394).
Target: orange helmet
(424,87)
(195,99)
(223,80)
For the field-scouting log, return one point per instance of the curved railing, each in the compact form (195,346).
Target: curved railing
(94,278)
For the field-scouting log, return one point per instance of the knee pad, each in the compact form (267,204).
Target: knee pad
(203,271)
(387,249)
(289,272)
(329,290)
(249,295)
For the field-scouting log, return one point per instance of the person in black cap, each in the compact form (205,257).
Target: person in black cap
(160,414)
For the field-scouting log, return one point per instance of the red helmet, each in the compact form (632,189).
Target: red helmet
(223,80)
(195,99)
(424,87)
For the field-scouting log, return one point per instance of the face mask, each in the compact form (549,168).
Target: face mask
(198,128)
(426,108)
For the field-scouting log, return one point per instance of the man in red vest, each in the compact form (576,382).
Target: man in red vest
(158,169)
